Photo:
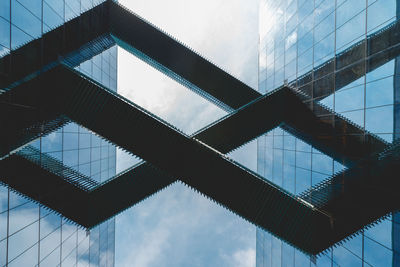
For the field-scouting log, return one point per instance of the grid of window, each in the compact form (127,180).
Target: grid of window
(30,234)
(298,37)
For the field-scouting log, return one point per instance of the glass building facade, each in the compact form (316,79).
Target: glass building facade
(30,234)
(299,39)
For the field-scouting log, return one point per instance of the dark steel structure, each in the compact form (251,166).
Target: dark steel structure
(312,222)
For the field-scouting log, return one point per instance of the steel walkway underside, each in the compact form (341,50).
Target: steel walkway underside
(31,89)
(178,155)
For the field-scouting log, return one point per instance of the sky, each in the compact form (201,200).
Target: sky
(177,226)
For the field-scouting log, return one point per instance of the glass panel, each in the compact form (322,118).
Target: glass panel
(16,200)
(95,153)
(3,225)
(74,5)
(301,259)
(52,259)
(22,216)
(349,99)
(356,117)
(83,250)
(57,6)
(303,180)
(34,6)
(69,236)
(350,32)
(380,14)
(50,18)
(22,241)
(94,246)
(84,156)
(276,252)
(71,127)
(86,4)
(348,10)
(70,158)
(50,246)
(3,250)
(25,20)
(3,198)
(324,50)
(84,140)
(5,9)
(375,254)
(18,37)
(70,141)
(383,71)
(324,28)
(52,142)
(4,33)
(28,258)
(374,122)
(381,233)
(379,92)
(48,223)
(287,255)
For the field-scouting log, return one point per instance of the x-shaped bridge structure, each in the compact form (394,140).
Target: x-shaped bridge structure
(41,92)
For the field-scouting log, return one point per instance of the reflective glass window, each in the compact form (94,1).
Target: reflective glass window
(50,17)
(22,216)
(324,28)
(52,142)
(28,257)
(3,251)
(351,32)
(349,99)
(57,6)
(70,141)
(18,37)
(301,259)
(84,140)
(356,117)
(71,127)
(20,243)
(322,163)
(5,9)
(323,10)
(289,178)
(69,245)
(25,20)
(3,225)
(16,199)
(324,50)
(74,5)
(34,6)
(95,153)
(374,122)
(303,180)
(70,158)
(4,33)
(348,10)
(379,92)
(85,169)
(3,198)
(380,13)
(84,156)
(276,252)
(50,248)
(375,254)
(85,5)
(49,222)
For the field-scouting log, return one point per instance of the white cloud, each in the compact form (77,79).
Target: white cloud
(244,258)
(178,227)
